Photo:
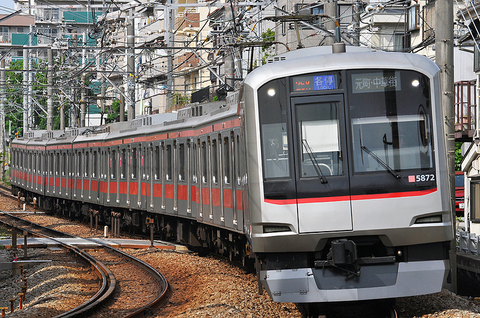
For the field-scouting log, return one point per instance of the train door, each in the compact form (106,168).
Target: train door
(102,189)
(121,190)
(322,183)
(112,184)
(204,181)
(227,194)
(95,176)
(192,175)
(63,176)
(155,178)
(57,176)
(30,171)
(183,181)
(168,171)
(237,180)
(151,172)
(144,175)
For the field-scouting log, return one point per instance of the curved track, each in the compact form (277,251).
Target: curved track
(130,287)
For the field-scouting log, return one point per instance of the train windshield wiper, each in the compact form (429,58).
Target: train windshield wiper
(320,174)
(380,161)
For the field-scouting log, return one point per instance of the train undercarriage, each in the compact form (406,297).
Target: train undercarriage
(201,238)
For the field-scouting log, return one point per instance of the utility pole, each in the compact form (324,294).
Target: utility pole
(229,58)
(131,65)
(62,100)
(169,41)
(356,22)
(3,98)
(331,11)
(62,111)
(50,90)
(444,60)
(83,96)
(25,91)
(30,83)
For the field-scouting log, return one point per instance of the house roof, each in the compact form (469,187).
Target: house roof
(18,20)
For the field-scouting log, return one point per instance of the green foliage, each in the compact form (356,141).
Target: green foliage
(458,156)
(267,50)
(179,99)
(13,111)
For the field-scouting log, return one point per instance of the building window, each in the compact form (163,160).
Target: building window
(475,202)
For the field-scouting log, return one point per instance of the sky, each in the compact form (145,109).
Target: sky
(8,4)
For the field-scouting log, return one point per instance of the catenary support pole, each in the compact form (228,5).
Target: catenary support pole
(444,59)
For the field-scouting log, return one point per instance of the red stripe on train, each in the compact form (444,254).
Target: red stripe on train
(353,198)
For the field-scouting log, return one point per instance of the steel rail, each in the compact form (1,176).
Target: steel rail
(92,303)
(103,273)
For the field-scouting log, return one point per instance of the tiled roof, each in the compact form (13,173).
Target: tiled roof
(18,20)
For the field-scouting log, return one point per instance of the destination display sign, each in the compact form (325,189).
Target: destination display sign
(375,82)
(314,83)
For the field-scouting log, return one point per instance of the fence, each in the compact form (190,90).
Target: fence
(468,243)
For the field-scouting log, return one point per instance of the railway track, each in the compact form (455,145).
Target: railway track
(130,287)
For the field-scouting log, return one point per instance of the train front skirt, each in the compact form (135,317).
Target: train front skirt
(312,285)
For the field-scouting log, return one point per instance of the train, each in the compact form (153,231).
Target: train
(326,169)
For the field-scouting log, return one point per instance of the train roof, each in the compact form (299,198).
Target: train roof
(321,59)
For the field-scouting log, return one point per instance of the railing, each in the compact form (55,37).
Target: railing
(468,243)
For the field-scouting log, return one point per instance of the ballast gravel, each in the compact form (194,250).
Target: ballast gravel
(200,287)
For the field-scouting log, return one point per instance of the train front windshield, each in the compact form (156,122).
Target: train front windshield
(347,130)
(390,124)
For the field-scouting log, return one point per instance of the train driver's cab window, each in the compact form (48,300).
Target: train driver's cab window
(319,133)
(273,120)
(391,121)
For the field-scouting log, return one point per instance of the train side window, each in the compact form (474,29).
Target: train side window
(57,165)
(203,159)
(133,163)
(94,165)
(214,159)
(181,162)
(226,160)
(51,164)
(87,164)
(237,161)
(123,164)
(168,172)
(34,162)
(156,162)
(79,164)
(273,111)
(64,163)
(39,164)
(113,164)
(194,163)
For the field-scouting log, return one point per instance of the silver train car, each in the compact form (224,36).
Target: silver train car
(329,170)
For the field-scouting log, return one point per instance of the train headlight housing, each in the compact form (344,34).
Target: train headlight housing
(429,219)
(275,228)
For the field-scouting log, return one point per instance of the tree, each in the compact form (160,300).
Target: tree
(458,156)
(267,36)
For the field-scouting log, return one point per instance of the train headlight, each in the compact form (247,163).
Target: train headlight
(429,219)
(415,83)
(271,92)
(275,228)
